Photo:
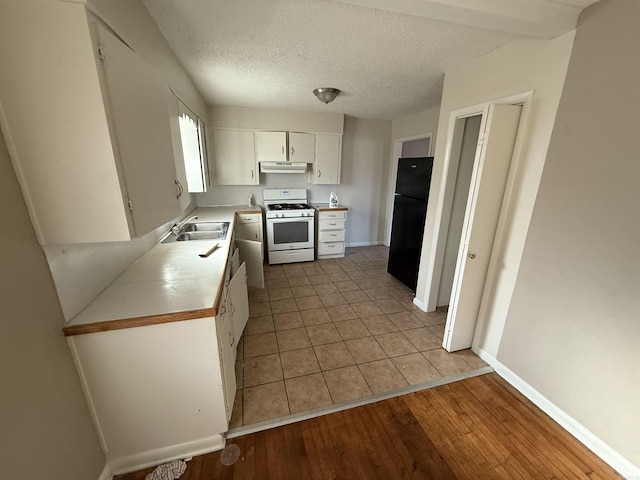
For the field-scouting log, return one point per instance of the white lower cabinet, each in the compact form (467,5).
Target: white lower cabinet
(331,233)
(249,235)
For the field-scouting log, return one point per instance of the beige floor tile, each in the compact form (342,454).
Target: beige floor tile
(323,288)
(315,316)
(395,344)
(284,306)
(276,283)
(377,293)
(366,309)
(382,376)
(322,334)
(239,373)
(236,414)
(307,393)
(379,324)
(280,293)
(296,363)
(308,303)
(260,370)
(438,330)
(319,278)
(292,339)
(356,296)
(287,321)
(404,320)
(261,344)
(346,384)
(312,269)
(365,350)
(423,339)
(472,359)
(447,363)
(265,402)
(339,276)
(299,281)
(333,355)
(346,285)
(259,309)
(339,313)
(368,283)
(390,305)
(356,275)
(273,274)
(348,266)
(257,325)
(303,291)
(293,270)
(415,368)
(430,318)
(258,295)
(329,266)
(350,329)
(332,299)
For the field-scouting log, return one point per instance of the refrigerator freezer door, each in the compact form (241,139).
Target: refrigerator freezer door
(406,239)
(414,177)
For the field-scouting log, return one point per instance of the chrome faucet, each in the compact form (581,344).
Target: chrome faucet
(179,226)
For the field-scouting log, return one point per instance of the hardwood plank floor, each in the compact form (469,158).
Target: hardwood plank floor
(478,428)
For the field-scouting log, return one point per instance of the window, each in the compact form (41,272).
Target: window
(192,135)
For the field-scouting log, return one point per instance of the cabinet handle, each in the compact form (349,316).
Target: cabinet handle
(231,339)
(282,149)
(319,173)
(292,151)
(180,188)
(251,173)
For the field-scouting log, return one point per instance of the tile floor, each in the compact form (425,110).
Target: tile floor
(331,331)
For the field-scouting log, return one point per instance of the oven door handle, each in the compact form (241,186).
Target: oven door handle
(288,220)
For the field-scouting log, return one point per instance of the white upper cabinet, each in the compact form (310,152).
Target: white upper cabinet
(285,147)
(234,157)
(326,169)
(176,140)
(87,123)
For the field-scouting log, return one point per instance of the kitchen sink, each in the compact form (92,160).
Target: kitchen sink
(200,231)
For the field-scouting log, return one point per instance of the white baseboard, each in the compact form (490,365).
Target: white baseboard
(570,424)
(150,458)
(419,304)
(362,244)
(106,474)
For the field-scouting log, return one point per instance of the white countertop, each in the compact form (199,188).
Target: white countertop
(169,278)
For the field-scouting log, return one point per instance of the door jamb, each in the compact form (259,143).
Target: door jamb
(436,236)
(393,172)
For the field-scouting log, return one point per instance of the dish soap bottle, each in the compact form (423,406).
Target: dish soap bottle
(333,200)
(252,200)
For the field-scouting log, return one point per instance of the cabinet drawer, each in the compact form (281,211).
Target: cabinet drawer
(331,225)
(326,215)
(248,217)
(330,248)
(331,236)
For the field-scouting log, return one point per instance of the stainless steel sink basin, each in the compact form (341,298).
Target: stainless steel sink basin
(200,231)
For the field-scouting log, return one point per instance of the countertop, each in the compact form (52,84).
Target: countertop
(170,282)
(321,207)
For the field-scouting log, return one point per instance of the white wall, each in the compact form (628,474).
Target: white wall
(45,426)
(573,327)
(530,65)
(365,148)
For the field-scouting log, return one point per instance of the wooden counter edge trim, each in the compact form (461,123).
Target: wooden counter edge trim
(109,325)
(249,212)
(334,209)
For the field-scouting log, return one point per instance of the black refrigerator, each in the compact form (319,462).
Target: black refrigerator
(409,212)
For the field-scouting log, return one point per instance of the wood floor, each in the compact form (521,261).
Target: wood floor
(479,428)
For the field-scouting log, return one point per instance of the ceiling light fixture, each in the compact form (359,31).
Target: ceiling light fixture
(326,95)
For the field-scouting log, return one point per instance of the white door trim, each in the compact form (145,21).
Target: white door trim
(436,233)
(393,172)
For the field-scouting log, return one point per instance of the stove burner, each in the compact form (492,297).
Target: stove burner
(289,206)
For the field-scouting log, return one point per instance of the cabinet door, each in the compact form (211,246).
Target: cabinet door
(176,141)
(238,302)
(271,146)
(227,349)
(234,157)
(248,231)
(251,253)
(140,119)
(302,147)
(326,169)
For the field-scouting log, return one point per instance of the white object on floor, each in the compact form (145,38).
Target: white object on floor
(168,471)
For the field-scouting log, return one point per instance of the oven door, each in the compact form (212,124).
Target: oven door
(290,233)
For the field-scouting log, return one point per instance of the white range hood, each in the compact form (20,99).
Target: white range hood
(283,167)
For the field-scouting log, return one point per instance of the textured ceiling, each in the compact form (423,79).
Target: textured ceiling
(273,53)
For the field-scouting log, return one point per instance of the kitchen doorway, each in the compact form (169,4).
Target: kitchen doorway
(408,147)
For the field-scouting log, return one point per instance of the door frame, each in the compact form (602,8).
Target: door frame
(393,173)
(435,238)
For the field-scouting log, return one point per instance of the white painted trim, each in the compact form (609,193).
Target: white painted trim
(566,421)
(393,171)
(159,456)
(363,244)
(419,304)
(106,474)
(289,419)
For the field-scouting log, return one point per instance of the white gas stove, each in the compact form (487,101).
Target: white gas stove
(290,226)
